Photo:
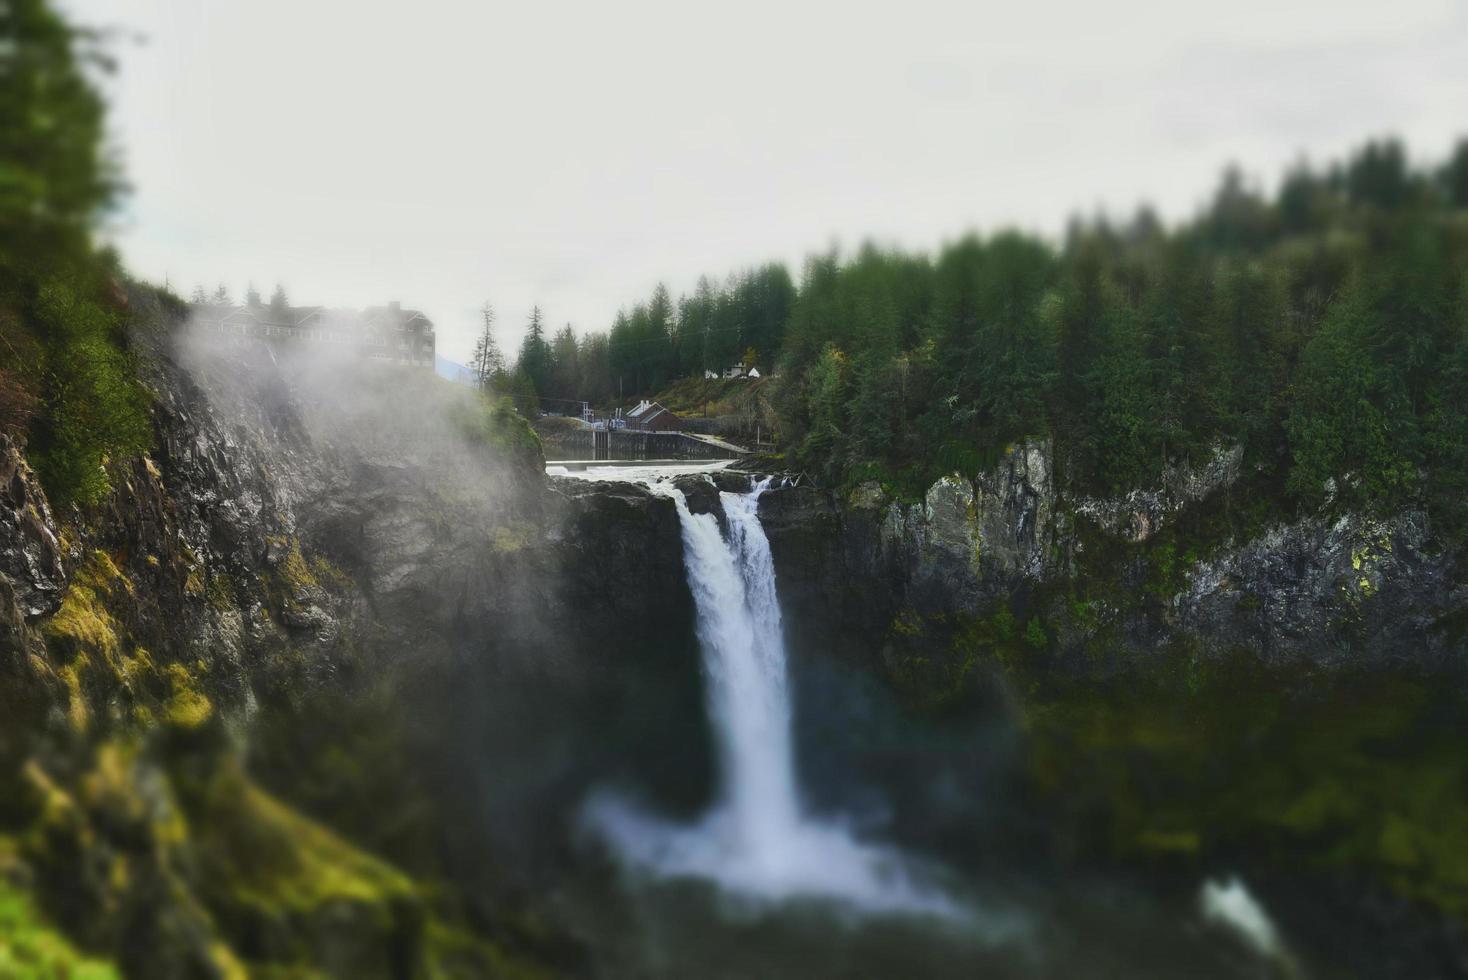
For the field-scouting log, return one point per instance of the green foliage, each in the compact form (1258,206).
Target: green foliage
(94,406)
(1350,422)
(1361,778)
(535,354)
(30,949)
(659,342)
(54,175)
(1035,635)
(1321,329)
(66,380)
(492,421)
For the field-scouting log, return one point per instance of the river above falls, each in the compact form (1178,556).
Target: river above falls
(632,470)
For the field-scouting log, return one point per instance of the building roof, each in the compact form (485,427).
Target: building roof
(646,411)
(394,315)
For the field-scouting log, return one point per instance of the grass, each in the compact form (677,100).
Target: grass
(695,397)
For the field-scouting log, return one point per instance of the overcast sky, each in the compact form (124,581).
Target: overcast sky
(574,155)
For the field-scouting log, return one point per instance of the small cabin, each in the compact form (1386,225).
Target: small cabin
(652,417)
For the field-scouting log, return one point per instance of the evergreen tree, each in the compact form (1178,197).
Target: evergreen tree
(67,380)
(595,381)
(487,362)
(56,178)
(534,362)
(1378,174)
(1455,176)
(565,367)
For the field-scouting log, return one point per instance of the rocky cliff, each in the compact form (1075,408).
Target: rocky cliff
(242,696)
(1204,566)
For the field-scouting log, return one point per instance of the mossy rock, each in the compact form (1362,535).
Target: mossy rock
(288,891)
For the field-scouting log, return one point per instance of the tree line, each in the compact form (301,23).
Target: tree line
(1320,327)
(647,347)
(1323,328)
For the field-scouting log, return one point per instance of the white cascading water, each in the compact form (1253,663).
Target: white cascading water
(757,840)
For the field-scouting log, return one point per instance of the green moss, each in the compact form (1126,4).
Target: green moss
(329,575)
(1363,776)
(220,592)
(187,706)
(270,857)
(293,568)
(1035,636)
(32,949)
(935,660)
(906,623)
(83,624)
(456,952)
(87,640)
(98,662)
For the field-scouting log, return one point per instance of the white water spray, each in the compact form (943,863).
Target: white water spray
(757,841)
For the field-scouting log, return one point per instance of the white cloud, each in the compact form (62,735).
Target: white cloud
(573,155)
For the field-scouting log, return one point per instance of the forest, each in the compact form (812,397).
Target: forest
(1324,329)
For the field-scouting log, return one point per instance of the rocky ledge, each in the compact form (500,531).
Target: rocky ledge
(1113,581)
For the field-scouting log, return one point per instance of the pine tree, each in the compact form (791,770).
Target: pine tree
(487,363)
(565,368)
(534,362)
(57,175)
(1455,176)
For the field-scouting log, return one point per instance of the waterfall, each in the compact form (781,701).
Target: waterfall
(757,840)
(733,588)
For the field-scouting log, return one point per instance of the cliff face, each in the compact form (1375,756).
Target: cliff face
(221,685)
(1196,567)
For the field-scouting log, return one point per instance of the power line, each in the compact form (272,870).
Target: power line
(670,338)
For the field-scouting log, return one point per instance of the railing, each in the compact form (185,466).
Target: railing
(593,444)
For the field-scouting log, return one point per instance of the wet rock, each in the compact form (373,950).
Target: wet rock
(1325,591)
(1346,591)
(30,553)
(701,493)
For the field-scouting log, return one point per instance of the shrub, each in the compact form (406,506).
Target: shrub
(93,406)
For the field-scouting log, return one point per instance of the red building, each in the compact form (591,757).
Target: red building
(652,417)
